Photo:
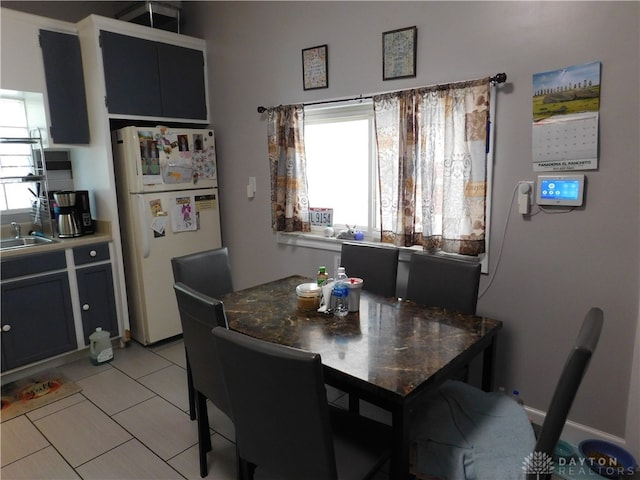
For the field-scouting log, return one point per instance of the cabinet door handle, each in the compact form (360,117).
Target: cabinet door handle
(85,307)
(6,328)
(93,253)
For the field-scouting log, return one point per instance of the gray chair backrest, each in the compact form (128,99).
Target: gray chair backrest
(279,405)
(569,381)
(436,281)
(199,315)
(377,266)
(208,272)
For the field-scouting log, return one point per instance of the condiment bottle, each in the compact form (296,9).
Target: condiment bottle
(322,276)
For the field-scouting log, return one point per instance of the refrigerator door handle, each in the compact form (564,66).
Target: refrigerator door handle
(146,247)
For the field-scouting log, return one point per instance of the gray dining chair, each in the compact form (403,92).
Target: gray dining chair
(199,314)
(377,266)
(438,281)
(463,428)
(207,272)
(284,425)
(568,383)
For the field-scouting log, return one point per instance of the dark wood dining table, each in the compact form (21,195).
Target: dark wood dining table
(391,352)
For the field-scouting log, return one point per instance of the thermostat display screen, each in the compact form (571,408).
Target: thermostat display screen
(560,190)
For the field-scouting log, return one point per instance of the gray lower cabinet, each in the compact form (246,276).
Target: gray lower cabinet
(38,302)
(95,289)
(37,319)
(97,301)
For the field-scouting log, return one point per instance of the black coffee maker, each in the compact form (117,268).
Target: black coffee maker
(68,224)
(83,213)
(74,214)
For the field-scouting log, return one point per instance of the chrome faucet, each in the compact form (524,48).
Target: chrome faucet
(15,227)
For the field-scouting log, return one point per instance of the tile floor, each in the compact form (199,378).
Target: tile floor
(131,421)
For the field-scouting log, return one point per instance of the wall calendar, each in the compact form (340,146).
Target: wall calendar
(566,105)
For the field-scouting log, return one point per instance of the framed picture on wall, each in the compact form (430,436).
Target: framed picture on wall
(314,68)
(399,53)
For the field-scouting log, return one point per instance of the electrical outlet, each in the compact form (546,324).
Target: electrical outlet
(525,196)
(531,192)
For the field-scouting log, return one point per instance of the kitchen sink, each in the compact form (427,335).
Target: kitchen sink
(22,242)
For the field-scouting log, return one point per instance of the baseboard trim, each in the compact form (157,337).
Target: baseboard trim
(574,432)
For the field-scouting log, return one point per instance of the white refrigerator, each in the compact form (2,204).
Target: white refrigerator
(168,205)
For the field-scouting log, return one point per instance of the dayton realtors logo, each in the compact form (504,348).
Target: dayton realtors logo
(538,464)
(541,464)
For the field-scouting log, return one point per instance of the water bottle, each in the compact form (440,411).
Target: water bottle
(342,275)
(517,398)
(341,294)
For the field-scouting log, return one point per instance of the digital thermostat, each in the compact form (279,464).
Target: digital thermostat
(566,190)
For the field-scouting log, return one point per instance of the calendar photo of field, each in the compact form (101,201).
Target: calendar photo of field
(566,91)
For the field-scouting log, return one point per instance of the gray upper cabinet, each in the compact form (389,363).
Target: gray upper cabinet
(153,79)
(65,87)
(182,82)
(131,75)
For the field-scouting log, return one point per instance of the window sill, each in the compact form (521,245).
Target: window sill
(332,244)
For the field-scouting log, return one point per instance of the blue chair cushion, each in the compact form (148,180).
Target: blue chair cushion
(464,433)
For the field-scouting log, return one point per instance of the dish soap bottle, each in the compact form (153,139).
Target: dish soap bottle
(100,346)
(341,294)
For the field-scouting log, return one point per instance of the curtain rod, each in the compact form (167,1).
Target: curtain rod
(497,78)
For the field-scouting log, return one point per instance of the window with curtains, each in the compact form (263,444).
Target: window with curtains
(409,168)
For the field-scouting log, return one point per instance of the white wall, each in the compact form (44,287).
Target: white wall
(553,267)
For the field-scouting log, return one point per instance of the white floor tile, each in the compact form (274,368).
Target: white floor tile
(333,394)
(113,391)
(220,422)
(134,425)
(221,461)
(173,352)
(171,384)
(46,464)
(138,361)
(83,368)
(374,412)
(161,426)
(367,410)
(18,439)
(82,432)
(129,461)
(54,407)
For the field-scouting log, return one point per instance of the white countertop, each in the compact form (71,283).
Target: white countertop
(103,234)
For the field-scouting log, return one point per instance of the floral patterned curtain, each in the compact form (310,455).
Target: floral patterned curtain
(289,198)
(432,166)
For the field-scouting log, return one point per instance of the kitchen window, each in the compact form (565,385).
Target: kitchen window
(15,159)
(341,165)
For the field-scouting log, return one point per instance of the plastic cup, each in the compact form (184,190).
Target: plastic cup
(355,287)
